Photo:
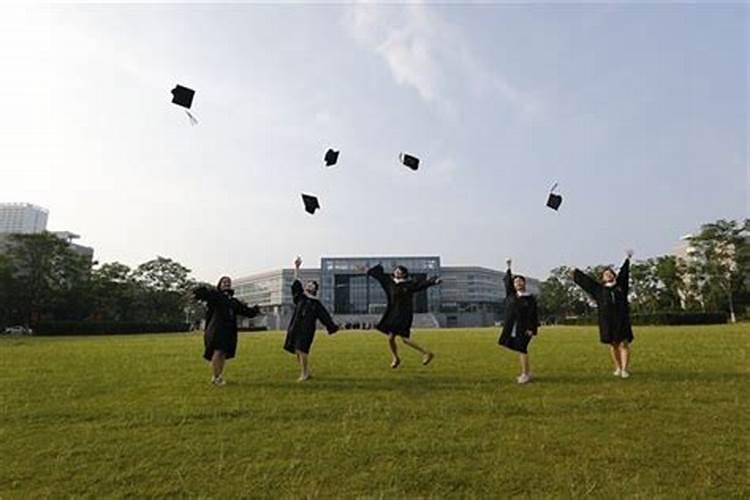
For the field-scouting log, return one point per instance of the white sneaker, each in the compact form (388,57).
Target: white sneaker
(218,380)
(524,378)
(624,374)
(617,373)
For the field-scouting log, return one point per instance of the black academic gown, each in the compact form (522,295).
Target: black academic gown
(520,318)
(307,311)
(612,304)
(399,313)
(221,320)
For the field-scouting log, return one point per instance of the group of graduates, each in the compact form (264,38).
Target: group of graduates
(520,326)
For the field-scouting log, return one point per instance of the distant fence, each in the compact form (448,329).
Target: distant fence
(660,318)
(104,327)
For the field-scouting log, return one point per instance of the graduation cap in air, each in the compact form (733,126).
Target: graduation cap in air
(410,161)
(554,200)
(183,96)
(331,157)
(311,203)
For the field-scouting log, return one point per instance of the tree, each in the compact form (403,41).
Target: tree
(50,279)
(166,283)
(116,293)
(718,263)
(560,296)
(7,291)
(163,274)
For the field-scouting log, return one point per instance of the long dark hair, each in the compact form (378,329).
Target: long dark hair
(403,270)
(229,291)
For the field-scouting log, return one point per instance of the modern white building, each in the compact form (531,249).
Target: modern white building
(469,296)
(22,218)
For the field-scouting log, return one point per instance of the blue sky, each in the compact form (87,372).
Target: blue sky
(638,111)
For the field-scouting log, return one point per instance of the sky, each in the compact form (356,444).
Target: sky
(639,112)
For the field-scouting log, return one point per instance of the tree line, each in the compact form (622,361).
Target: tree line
(43,279)
(713,276)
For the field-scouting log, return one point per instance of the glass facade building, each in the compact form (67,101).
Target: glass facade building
(346,288)
(467,297)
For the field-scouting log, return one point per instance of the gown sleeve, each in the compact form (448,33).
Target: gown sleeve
(205,294)
(322,314)
(422,284)
(586,282)
(623,277)
(508,282)
(243,310)
(380,276)
(297,291)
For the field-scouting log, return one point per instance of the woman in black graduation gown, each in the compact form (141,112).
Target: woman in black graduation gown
(521,321)
(611,298)
(307,311)
(399,313)
(220,336)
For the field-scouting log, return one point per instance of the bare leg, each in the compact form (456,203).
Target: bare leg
(305,374)
(217,363)
(624,349)
(615,353)
(394,351)
(525,367)
(426,355)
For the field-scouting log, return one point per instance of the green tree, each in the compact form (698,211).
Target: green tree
(718,264)
(166,285)
(51,279)
(561,297)
(116,293)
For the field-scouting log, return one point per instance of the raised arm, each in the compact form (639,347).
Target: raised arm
(322,314)
(380,276)
(623,277)
(586,282)
(508,280)
(298,290)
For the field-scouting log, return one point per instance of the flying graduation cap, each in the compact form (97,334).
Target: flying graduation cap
(410,161)
(183,96)
(331,157)
(311,203)
(554,200)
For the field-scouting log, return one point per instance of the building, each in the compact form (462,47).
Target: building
(81,250)
(23,218)
(467,297)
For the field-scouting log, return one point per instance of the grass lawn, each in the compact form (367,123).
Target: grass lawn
(136,416)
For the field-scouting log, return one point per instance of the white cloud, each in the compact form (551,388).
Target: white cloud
(432,56)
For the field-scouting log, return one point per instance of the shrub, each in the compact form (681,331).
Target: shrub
(660,318)
(104,327)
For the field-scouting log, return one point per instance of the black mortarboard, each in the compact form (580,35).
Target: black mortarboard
(331,157)
(311,203)
(410,161)
(183,96)
(554,200)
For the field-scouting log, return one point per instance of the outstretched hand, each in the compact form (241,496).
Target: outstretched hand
(508,262)
(297,262)
(629,253)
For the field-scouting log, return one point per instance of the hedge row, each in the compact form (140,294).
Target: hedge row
(661,318)
(104,327)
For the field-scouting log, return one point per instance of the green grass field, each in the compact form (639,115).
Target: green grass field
(136,416)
